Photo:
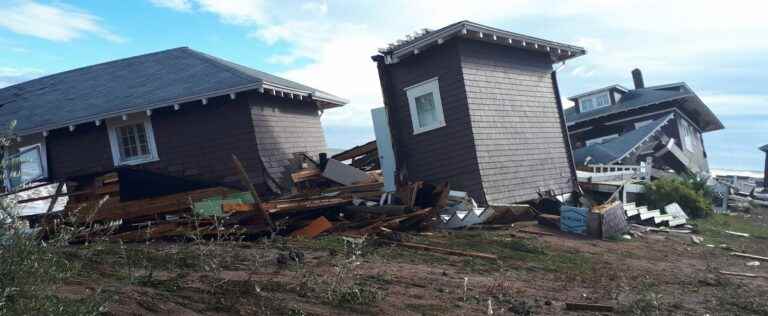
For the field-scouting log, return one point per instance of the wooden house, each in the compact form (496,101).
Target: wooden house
(478,107)
(764,149)
(177,112)
(616,125)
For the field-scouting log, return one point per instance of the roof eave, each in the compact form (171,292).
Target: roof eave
(559,51)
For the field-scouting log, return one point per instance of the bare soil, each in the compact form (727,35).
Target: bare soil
(656,274)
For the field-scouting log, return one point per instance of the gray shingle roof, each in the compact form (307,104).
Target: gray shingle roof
(133,84)
(639,98)
(617,148)
(764,148)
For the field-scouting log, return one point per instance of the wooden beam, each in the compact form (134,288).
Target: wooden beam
(248,184)
(55,197)
(749,256)
(445,250)
(749,275)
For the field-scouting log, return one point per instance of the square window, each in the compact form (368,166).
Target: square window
(24,167)
(132,141)
(425,106)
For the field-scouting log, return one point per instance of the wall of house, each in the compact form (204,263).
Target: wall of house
(196,142)
(282,128)
(697,156)
(445,154)
(521,146)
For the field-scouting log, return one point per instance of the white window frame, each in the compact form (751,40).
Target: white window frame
(593,98)
(420,89)
(43,164)
(114,124)
(600,140)
(688,133)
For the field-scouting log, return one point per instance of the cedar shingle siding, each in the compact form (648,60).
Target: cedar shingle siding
(198,141)
(502,141)
(284,127)
(446,153)
(519,140)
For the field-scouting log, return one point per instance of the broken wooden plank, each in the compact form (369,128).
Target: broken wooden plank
(588,307)
(315,228)
(296,205)
(306,174)
(355,151)
(55,198)
(750,256)
(741,274)
(445,250)
(535,232)
(228,208)
(736,233)
(248,184)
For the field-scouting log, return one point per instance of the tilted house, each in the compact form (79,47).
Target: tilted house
(478,107)
(178,112)
(616,125)
(764,149)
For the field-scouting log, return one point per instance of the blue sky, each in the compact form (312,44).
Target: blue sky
(718,48)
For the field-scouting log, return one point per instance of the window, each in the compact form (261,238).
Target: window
(601,140)
(132,141)
(687,133)
(26,166)
(594,101)
(426,106)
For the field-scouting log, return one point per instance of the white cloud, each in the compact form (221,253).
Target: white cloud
(58,22)
(665,39)
(724,104)
(178,5)
(9,75)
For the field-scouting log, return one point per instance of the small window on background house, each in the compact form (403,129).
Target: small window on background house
(425,106)
(592,102)
(586,104)
(132,141)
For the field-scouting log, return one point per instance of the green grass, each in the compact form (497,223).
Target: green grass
(713,228)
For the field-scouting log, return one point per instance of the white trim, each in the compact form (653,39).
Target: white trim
(425,87)
(113,124)
(43,156)
(639,116)
(600,140)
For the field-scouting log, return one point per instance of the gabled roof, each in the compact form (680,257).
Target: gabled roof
(420,41)
(136,84)
(764,148)
(612,87)
(619,147)
(679,93)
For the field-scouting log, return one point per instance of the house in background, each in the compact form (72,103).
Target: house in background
(764,149)
(616,125)
(176,112)
(478,107)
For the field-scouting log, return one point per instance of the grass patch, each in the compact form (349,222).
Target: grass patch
(713,228)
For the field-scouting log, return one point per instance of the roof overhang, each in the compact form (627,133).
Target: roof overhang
(608,88)
(323,101)
(470,30)
(764,148)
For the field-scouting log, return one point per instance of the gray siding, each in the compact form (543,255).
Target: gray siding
(446,154)
(519,141)
(284,127)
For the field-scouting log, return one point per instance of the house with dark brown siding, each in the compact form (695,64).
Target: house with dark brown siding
(177,112)
(478,107)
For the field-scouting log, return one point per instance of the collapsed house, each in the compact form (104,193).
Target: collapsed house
(619,126)
(477,107)
(177,112)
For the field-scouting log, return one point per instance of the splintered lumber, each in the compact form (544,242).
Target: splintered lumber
(295,205)
(356,151)
(228,208)
(380,209)
(588,307)
(248,184)
(445,250)
(306,174)
(746,255)
(113,209)
(393,220)
(741,274)
(315,228)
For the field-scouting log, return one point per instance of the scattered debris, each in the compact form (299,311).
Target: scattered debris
(753,263)
(588,307)
(749,256)
(696,239)
(736,233)
(741,274)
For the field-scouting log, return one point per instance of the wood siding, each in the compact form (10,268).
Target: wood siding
(446,154)
(198,140)
(282,128)
(520,144)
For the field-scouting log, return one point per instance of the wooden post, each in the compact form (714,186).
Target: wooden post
(648,168)
(248,184)
(55,197)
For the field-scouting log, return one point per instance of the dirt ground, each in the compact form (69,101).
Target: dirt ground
(655,274)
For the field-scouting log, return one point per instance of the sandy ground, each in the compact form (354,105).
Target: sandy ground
(656,274)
